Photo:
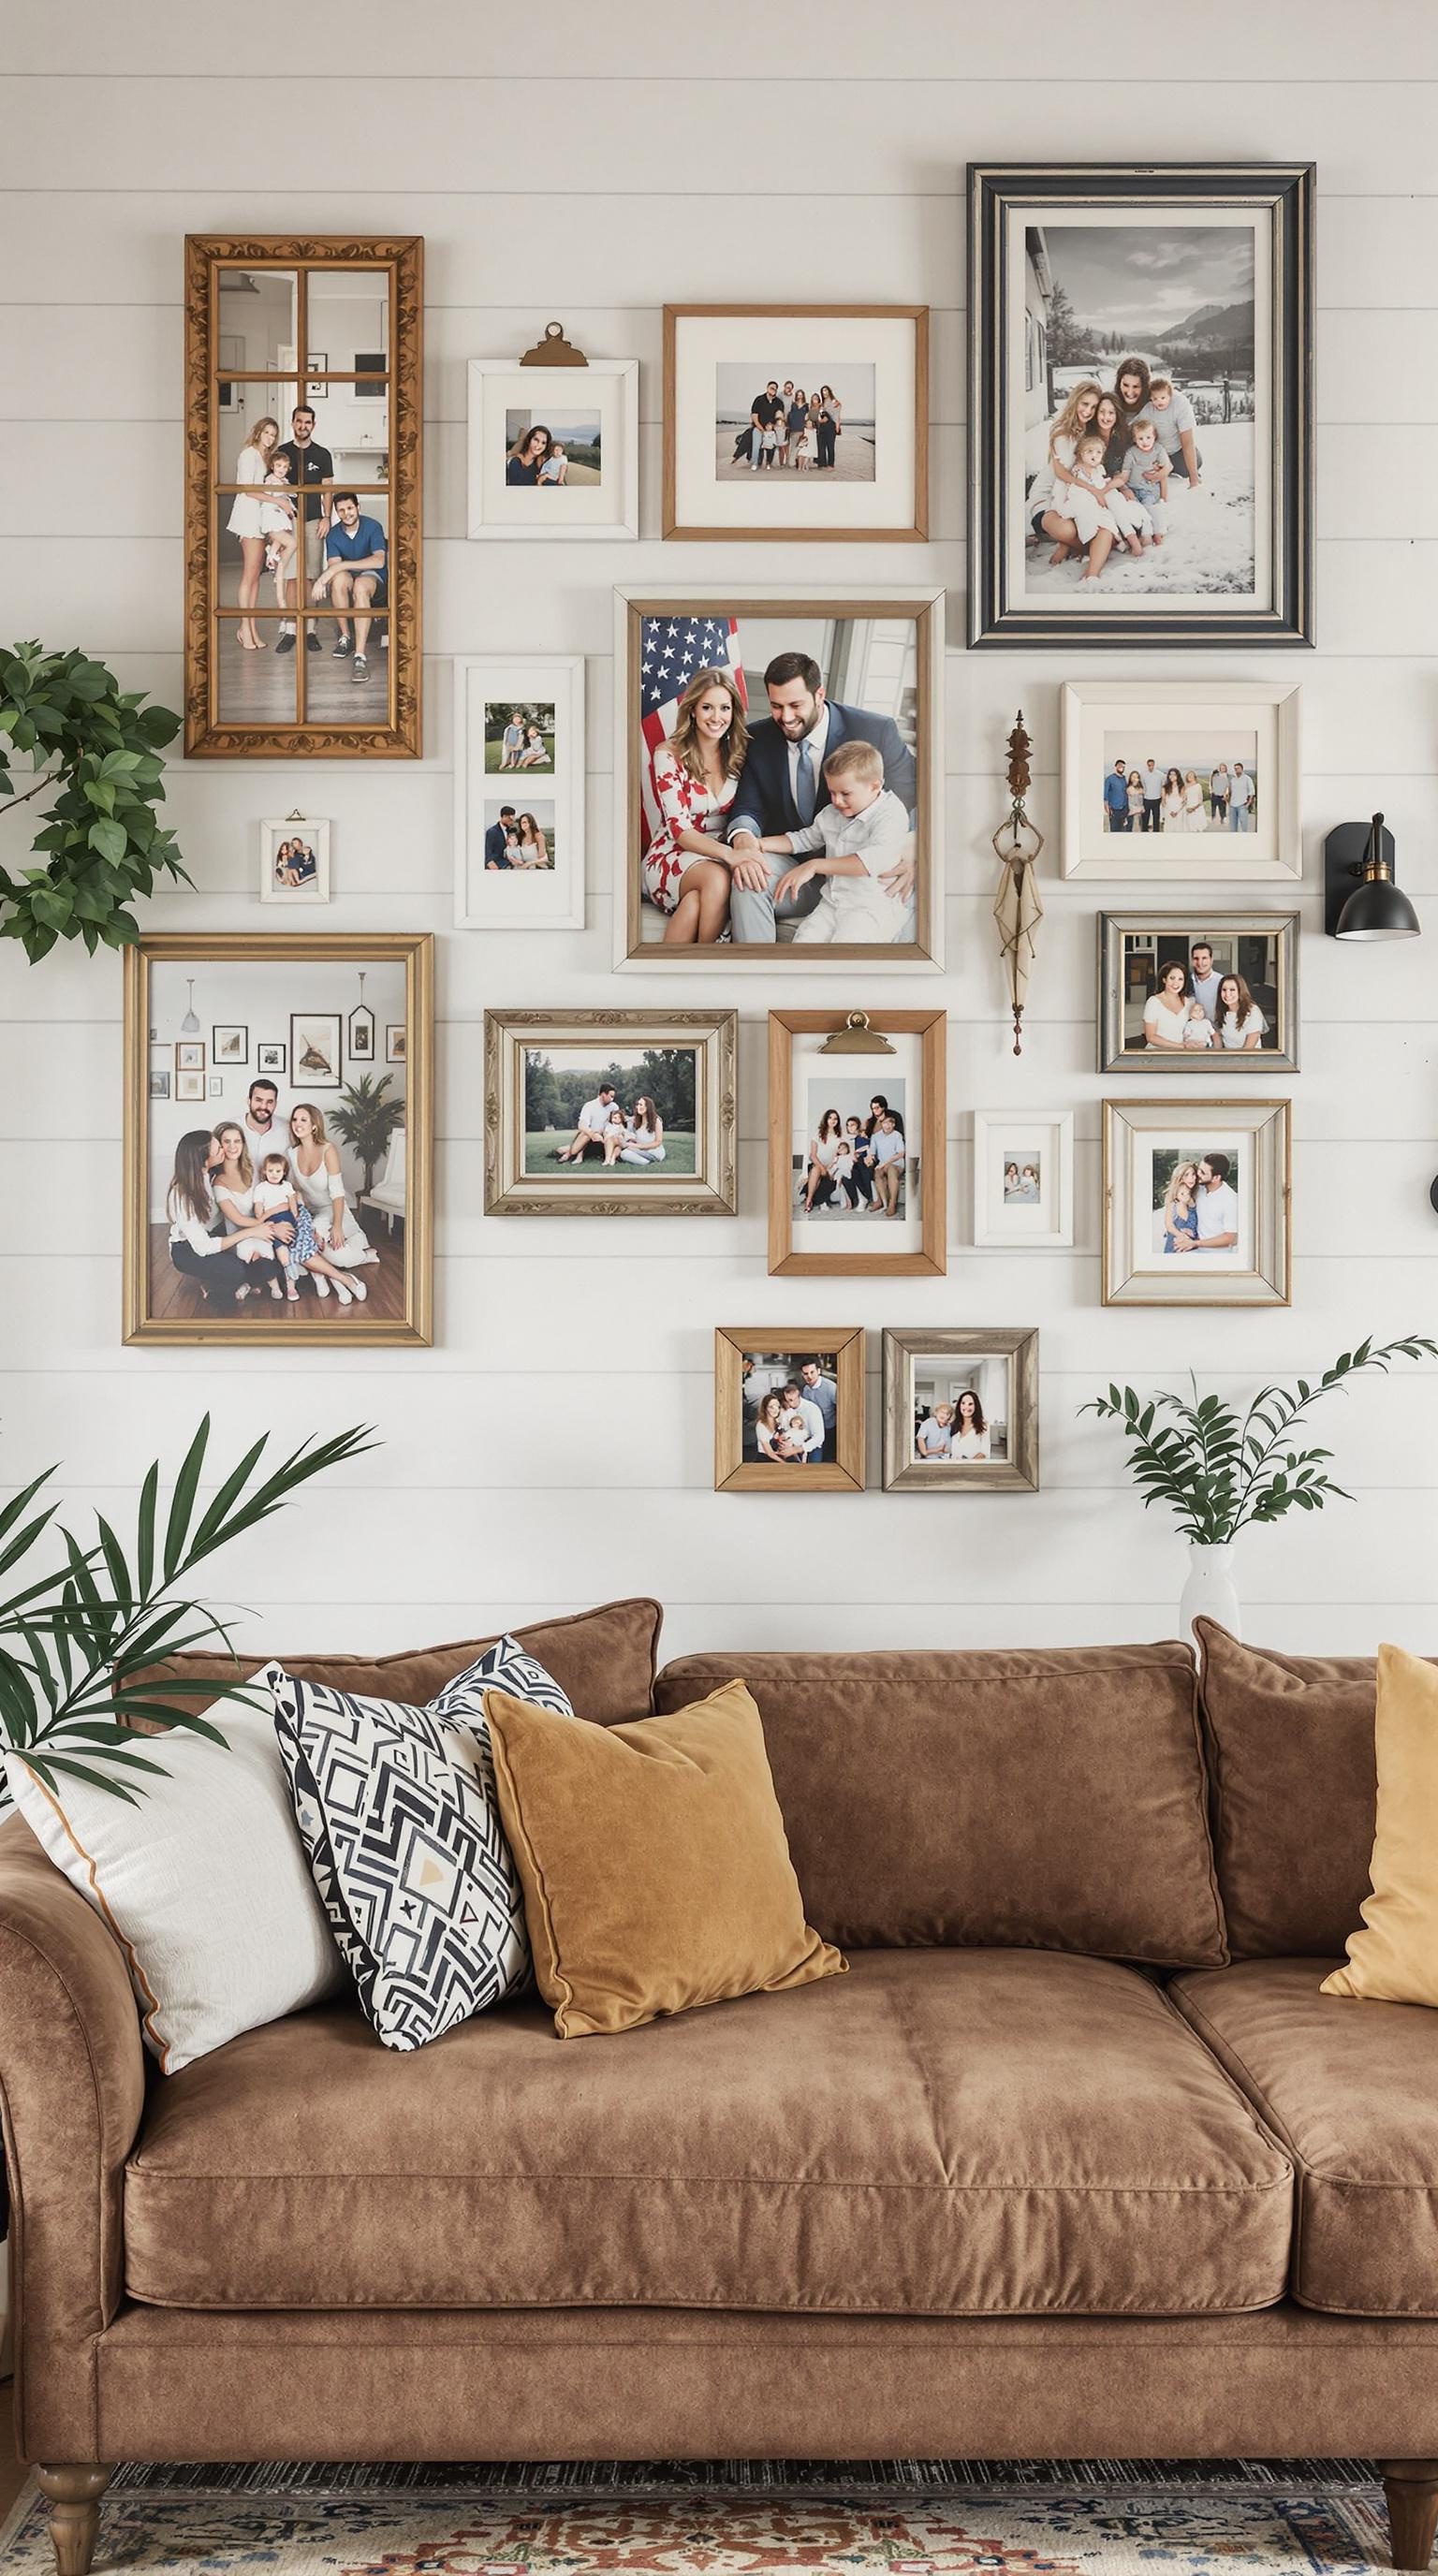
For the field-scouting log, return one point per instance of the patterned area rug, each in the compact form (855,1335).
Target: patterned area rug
(733,2518)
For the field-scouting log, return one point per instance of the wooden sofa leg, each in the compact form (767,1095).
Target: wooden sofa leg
(74,2492)
(1411,2489)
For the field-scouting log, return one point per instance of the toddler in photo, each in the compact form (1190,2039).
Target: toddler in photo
(555,468)
(278,526)
(1091,506)
(1198,1031)
(861,832)
(513,742)
(1146,469)
(295,1241)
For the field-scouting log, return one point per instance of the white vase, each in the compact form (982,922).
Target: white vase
(1209,1590)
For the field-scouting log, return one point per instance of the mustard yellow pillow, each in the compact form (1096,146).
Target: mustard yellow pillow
(653,1860)
(1396,1959)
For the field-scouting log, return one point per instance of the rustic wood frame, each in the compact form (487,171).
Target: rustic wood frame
(1019,1472)
(931,1260)
(1270,1128)
(733,1473)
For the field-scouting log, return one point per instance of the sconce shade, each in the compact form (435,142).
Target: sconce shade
(1361,898)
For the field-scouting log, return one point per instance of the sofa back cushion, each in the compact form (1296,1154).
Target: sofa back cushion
(1294,1793)
(1050,1800)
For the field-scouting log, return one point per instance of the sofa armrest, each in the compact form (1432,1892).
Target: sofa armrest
(72,2090)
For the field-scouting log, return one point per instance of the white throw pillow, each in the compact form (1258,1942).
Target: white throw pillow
(204,1883)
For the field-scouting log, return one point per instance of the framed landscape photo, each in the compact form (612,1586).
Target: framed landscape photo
(1141,403)
(778,778)
(519,792)
(554,451)
(789,1410)
(1171,779)
(1023,1180)
(1198,992)
(295,860)
(796,421)
(609,1113)
(1197,1201)
(857,1159)
(281,1204)
(961,1408)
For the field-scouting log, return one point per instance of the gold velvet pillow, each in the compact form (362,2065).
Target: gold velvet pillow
(655,1870)
(1396,1959)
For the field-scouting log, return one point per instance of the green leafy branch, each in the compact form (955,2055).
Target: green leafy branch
(99,747)
(1220,1472)
(76,1645)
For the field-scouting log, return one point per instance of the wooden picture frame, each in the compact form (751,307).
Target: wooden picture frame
(1179,716)
(605,389)
(1136,949)
(243,704)
(736,1473)
(824,503)
(1034,231)
(523,898)
(886,644)
(523,1177)
(1016,1348)
(164,1305)
(855,1077)
(1257,1271)
(1038,1142)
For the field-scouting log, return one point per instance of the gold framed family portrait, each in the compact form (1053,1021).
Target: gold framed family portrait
(857,1148)
(610,1113)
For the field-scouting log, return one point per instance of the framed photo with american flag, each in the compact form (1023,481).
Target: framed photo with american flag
(777,777)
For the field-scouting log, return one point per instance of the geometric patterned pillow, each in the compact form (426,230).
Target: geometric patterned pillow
(396,1810)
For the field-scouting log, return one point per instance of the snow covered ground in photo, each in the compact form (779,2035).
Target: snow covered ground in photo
(1209,544)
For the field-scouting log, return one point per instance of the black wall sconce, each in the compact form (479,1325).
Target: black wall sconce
(1360,898)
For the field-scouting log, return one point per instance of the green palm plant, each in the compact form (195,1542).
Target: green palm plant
(365,1121)
(77,1643)
(1220,1471)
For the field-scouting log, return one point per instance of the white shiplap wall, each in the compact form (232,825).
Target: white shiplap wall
(555,1445)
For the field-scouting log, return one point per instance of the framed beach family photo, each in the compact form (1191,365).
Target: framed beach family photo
(1198,992)
(1141,403)
(519,792)
(554,451)
(296,1206)
(1172,779)
(789,1410)
(1197,1202)
(609,1113)
(778,777)
(961,1409)
(857,1144)
(807,421)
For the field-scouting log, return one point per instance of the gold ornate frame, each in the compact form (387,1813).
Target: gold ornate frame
(736,1474)
(208,735)
(307,1328)
(511,1191)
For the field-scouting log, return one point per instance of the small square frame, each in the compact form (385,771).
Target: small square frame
(316,829)
(1269,1126)
(1019,1472)
(733,1473)
(1010,1135)
(496,383)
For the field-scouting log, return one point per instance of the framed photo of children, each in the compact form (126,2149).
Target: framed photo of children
(856,1144)
(789,1409)
(554,451)
(519,792)
(785,421)
(1190,992)
(609,1113)
(1023,1180)
(1197,1200)
(295,861)
(295,1206)
(778,777)
(1165,780)
(961,1408)
(1141,403)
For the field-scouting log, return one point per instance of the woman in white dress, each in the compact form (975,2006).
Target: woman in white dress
(533,847)
(246,521)
(1165,1013)
(315,1163)
(644,1142)
(824,1152)
(1241,1024)
(971,1432)
(1171,804)
(1194,817)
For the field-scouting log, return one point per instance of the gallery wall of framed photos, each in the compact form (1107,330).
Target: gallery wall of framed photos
(566,1390)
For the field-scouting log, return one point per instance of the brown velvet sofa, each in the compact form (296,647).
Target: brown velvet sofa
(1076,2159)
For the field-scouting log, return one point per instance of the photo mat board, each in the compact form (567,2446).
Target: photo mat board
(1024,1180)
(874,1204)
(610,1113)
(295,861)
(1159,726)
(859,471)
(594,409)
(497,887)
(961,1409)
(1197,1199)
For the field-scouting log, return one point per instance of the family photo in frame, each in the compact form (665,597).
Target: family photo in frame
(961,1409)
(1181,779)
(1197,1202)
(519,763)
(857,1178)
(1185,993)
(789,1410)
(609,1113)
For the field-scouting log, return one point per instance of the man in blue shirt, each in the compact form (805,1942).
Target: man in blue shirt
(1115,796)
(355,573)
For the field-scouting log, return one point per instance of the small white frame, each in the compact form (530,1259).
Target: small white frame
(273,834)
(607,510)
(1004,1136)
(1271,708)
(532,899)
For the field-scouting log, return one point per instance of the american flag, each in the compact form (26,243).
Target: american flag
(671,650)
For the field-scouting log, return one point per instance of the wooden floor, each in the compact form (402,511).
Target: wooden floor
(176,1299)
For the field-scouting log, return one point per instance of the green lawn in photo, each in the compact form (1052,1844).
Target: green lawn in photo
(541,1145)
(494,754)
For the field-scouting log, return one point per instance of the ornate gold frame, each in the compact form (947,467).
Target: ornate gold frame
(207,735)
(511,1191)
(416,949)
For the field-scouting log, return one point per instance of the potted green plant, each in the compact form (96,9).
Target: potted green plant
(365,1121)
(1222,1472)
(97,745)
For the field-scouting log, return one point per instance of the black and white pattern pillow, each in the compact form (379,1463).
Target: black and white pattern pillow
(396,1810)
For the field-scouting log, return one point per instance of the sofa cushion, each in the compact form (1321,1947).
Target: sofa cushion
(939,2132)
(1352,2090)
(603,1660)
(1027,1798)
(1294,1792)
(1393,1958)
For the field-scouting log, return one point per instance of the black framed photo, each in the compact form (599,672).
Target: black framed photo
(1141,403)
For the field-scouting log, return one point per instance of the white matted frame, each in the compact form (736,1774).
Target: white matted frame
(526,898)
(715,604)
(313,832)
(1041,1140)
(1092,713)
(1260,1270)
(606,388)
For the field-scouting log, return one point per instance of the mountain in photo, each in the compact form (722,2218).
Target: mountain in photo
(1212,326)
